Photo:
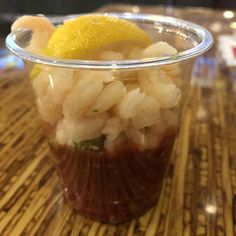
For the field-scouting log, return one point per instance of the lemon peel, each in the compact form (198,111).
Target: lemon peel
(35,71)
(82,37)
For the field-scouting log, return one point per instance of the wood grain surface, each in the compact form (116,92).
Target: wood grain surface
(199,192)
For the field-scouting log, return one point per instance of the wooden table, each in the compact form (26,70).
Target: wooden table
(199,193)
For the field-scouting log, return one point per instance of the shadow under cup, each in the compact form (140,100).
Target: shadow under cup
(111,141)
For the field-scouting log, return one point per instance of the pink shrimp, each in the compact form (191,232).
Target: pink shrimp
(41,27)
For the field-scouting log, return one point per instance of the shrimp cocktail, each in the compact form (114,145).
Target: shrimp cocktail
(109,89)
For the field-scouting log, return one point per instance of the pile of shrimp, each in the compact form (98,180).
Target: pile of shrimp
(136,106)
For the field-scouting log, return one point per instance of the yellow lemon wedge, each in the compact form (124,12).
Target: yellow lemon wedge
(86,35)
(35,71)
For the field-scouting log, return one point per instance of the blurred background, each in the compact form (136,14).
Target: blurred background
(77,6)
(11,9)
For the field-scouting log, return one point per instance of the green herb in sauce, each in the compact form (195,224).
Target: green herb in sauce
(96,144)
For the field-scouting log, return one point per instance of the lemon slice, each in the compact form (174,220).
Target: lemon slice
(35,71)
(84,36)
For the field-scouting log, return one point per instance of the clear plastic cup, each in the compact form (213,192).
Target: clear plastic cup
(111,125)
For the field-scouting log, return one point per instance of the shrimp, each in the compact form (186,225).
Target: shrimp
(42,30)
(111,56)
(104,76)
(166,93)
(155,76)
(138,137)
(135,53)
(60,82)
(171,118)
(70,131)
(131,86)
(156,132)
(130,104)
(148,115)
(49,111)
(174,73)
(40,84)
(110,145)
(145,84)
(113,127)
(159,49)
(81,97)
(109,96)
(53,83)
